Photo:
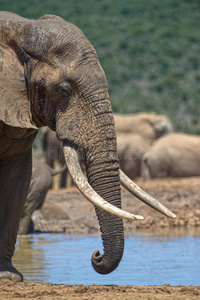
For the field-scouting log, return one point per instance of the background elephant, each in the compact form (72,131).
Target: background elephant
(53,152)
(131,149)
(176,155)
(41,182)
(50,76)
(149,125)
(54,156)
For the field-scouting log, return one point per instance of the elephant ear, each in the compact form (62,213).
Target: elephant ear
(15,107)
(23,43)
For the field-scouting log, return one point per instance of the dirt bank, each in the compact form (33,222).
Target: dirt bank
(45,291)
(68,211)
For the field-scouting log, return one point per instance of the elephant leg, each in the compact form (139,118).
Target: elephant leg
(15,175)
(29,207)
(63,179)
(35,200)
(25,224)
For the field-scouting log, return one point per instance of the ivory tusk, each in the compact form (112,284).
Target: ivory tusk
(143,196)
(72,161)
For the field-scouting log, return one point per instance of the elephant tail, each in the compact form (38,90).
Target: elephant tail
(145,171)
(56,172)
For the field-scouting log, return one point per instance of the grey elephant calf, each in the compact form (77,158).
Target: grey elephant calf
(175,155)
(41,182)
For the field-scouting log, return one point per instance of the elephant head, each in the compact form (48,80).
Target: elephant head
(52,76)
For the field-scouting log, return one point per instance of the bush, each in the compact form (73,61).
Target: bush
(148,49)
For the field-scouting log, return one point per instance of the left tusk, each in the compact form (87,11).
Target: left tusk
(85,188)
(133,188)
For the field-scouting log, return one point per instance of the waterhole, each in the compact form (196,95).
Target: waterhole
(150,258)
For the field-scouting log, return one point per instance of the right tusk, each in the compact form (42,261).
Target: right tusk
(85,188)
(143,196)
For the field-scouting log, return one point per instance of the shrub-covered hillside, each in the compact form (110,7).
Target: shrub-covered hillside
(149,49)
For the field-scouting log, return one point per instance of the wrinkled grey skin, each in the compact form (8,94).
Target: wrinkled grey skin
(41,182)
(50,76)
(174,155)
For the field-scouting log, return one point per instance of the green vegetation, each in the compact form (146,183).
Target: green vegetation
(149,49)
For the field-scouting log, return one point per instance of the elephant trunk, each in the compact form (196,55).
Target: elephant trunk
(103,190)
(103,176)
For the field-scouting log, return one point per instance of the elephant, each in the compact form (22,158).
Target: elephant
(41,182)
(50,76)
(149,125)
(131,148)
(53,152)
(173,155)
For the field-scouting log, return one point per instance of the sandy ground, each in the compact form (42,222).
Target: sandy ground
(68,211)
(36,291)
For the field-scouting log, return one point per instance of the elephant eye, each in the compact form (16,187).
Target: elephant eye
(61,90)
(65,88)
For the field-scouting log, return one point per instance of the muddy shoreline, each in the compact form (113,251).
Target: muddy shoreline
(67,211)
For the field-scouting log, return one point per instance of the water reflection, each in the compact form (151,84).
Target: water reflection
(150,258)
(30,257)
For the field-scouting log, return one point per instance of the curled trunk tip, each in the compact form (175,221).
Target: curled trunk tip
(103,266)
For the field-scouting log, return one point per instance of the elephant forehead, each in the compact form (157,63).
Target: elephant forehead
(44,70)
(71,66)
(43,37)
(65,39)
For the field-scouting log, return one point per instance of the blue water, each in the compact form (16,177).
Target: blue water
(148,259)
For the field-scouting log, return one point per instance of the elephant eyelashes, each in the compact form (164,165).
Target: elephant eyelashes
(65,89)
(62,90)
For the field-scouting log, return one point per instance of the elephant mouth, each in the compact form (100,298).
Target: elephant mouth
(72,161)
